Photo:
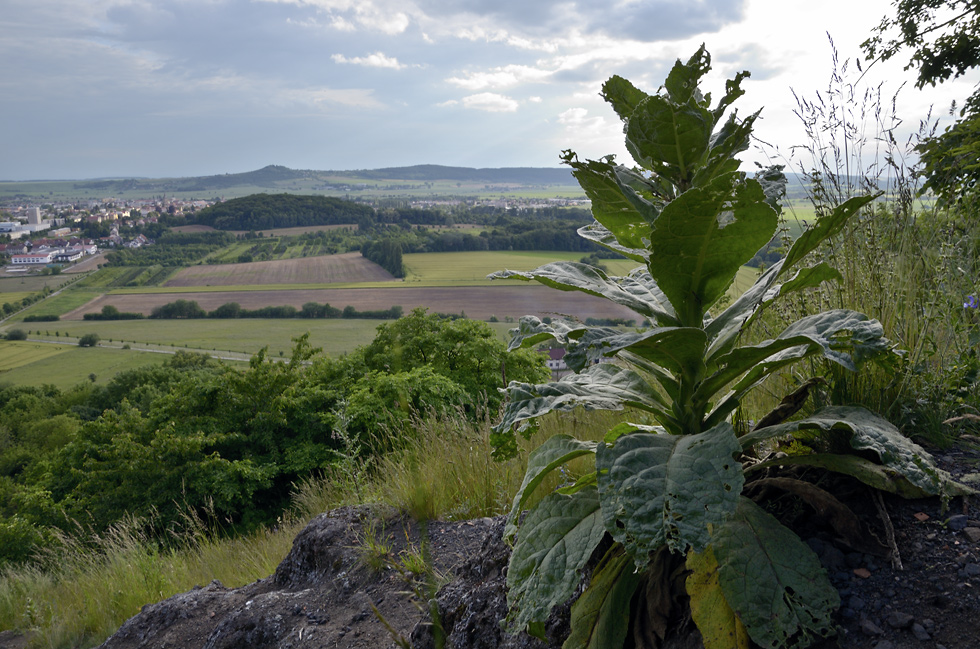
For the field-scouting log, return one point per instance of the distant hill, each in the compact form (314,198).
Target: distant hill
(518,175)
(275,176)
(267,211)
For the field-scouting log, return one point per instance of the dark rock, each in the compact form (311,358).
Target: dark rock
(899,620)
(957,523)
(920,633)
(972,534)
(854,559)
(972,569)
(869,628)
(856,603)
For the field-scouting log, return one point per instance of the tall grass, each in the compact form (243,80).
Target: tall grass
(78,595)
(902,261)
(81,593)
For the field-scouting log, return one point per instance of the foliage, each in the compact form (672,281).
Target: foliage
(89,340)
(16,334)
(671,494)
(387,254)
(908,264)
(267,211)
(944,38)
(194,435)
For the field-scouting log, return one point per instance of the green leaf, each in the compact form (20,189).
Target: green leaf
(773,581)
(836,335)
(531,330)
(719,626)
(600,617)
(633,291)
(556,451)
(824,228)
(615,204)
(682,81)
(668,489)
(868,432)
(622,95)
(669,138)
(723,330)
(600,387)
(600,235)
(679,349)
(874,475)
(554,544)
(697,249)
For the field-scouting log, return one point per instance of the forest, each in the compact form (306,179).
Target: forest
(194,435)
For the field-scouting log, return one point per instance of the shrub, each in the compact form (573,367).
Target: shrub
(667,501)
(89,340)
(16,334)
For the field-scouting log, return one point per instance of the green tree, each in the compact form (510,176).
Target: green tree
(89,340)
(943,37)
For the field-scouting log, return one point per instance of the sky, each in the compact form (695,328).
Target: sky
(174,88)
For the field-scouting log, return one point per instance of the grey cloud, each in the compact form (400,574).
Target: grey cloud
(649,20)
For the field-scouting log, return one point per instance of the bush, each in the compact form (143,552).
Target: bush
(16,334)
(89,340)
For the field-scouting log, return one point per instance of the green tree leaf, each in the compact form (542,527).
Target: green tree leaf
(668,489)
(554,544)
(773,581)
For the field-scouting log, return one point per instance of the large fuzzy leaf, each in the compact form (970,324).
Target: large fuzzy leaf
(874,475)
(573,276)
(622,95)
(772,580)
(837,335)
(600,617)
(668,489)
(615,204)
(531,330)
(679,349)
(554,544)
(669,138)
(723,330)
(556,451)
(868,432)
(719,626)
(600,387)
(697,249)
(600,235)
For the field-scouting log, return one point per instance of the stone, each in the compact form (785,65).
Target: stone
(972,570)
(920,633)
(957,523)
(899,620)
(869,628)
(972,534)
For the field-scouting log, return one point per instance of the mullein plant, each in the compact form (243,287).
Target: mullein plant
(663,520)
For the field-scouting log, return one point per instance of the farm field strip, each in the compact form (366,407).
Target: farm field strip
(17,353)
(241,337)
(348,267)
(481,302)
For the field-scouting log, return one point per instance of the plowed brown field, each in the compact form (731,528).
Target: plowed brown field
(477,301)
(328,269)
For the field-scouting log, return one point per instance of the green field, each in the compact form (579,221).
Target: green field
(66,365)
(449,268)
(242,337)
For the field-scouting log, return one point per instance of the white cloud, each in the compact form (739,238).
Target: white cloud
(375,60)
(491,102)
(502,77)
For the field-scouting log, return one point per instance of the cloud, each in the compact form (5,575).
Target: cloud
(501,77)
(376,60)
(491,102)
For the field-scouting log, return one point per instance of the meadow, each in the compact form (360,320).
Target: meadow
(65,364)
